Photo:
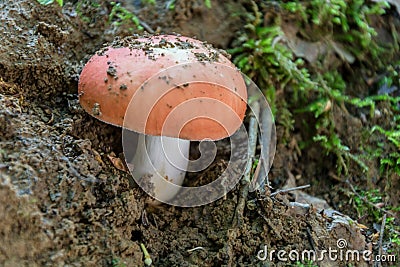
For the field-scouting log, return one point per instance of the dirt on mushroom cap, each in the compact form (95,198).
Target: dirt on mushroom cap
(116,73)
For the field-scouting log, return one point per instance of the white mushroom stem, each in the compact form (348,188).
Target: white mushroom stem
(165,160)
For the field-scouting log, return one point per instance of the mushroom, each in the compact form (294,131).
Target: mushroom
(169,89)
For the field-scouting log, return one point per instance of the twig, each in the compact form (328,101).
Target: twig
(244,190)
(381,237)
(299,205)
(146,26)
(369,202)
(289,189)
(145,220)
(310,238)
(196,248)
(261,173)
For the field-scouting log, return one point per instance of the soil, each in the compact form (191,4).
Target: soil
(64,203)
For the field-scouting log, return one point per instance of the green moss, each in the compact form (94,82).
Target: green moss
(367,203)
(120,15)
(341,20)
(262,54)
(48,2)
(307,263)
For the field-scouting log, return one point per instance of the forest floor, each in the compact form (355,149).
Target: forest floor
(64,203)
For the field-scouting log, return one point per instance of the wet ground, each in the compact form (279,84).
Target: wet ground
(62,201)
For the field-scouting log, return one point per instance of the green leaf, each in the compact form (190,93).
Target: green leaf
(45,2)
(317,107)
(48,2)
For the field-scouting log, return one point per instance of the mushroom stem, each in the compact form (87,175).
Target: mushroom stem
(164,160)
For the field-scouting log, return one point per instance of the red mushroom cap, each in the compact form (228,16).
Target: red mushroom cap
(143,83)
